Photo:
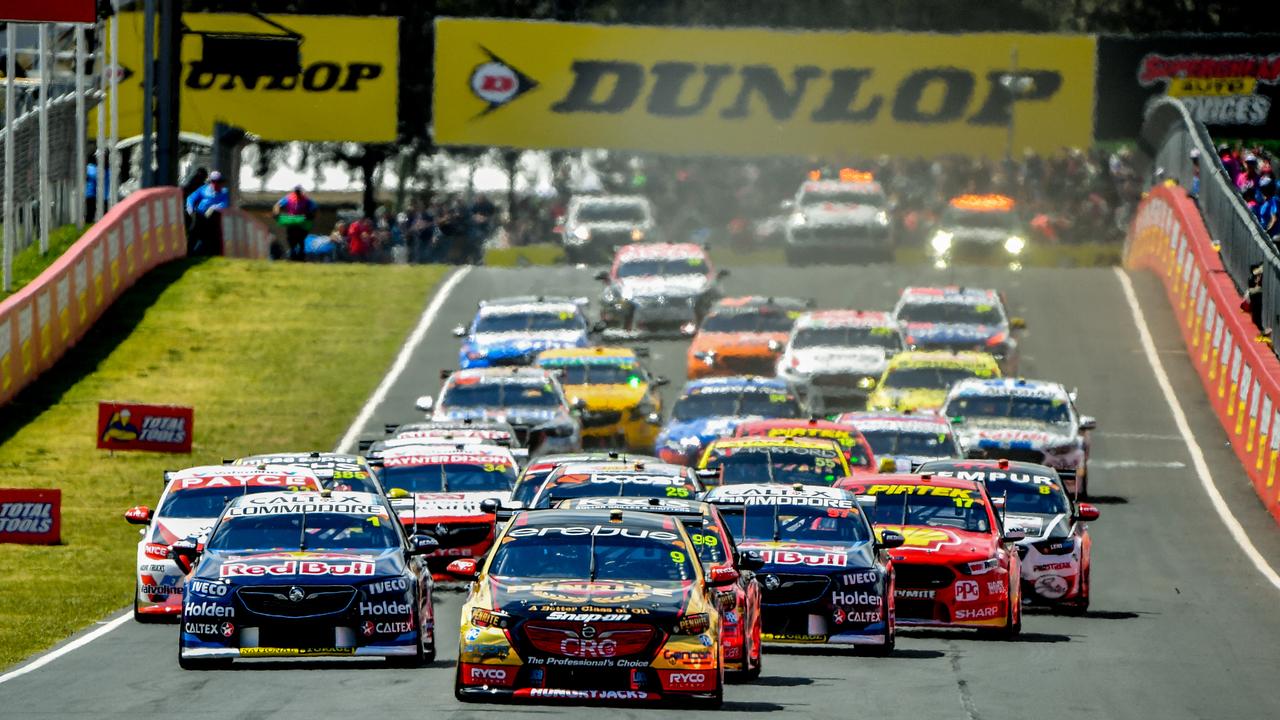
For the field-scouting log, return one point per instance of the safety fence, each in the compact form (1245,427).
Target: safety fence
(63,172)
(244,236)
(1240,373)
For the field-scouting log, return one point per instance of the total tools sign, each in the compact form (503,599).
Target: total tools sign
(756,92)
(347,89)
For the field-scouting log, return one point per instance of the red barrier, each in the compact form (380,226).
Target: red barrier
(40,322)
(1240,374)
(244,236)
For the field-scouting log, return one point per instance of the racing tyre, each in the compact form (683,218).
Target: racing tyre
(1080,605)
(753,657)
(886,648)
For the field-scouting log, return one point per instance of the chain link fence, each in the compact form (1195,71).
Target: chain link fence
(1169,134)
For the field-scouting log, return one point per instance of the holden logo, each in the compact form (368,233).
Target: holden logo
(772,582)
(297,594)
(497,83)
(588,631)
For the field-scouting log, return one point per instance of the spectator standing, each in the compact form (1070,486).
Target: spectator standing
(296,213)
(204,212)
(91,190)
(361,239)
(1268,207)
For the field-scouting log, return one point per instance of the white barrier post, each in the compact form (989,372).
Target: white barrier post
(10,222)
(78,187)
(45,78)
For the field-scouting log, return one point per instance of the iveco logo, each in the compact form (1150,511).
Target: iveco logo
(297,594)
(772,582)
(588,631)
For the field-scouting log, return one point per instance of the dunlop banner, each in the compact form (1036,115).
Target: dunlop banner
(756,92)
(347,89)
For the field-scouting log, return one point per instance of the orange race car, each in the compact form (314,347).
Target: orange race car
(743,336)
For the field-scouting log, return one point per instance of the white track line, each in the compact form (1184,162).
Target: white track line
(69,647)
(348,440)
(1184,429)
(402,360)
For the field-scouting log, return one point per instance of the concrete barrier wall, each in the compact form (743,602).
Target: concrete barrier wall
(1240,374)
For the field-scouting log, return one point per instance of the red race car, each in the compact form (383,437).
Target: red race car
(958,567)
(856,449)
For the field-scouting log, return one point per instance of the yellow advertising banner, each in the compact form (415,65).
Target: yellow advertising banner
(758,92)
(347,90)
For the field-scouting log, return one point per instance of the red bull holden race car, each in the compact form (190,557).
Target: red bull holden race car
(190,504)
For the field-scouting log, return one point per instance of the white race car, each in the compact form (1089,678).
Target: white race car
(835,357)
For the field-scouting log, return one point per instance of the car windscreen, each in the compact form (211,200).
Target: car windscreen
(798,523)
(500,394)
(619,485)
(930,378)
(1041,497)
(598,552)
(708,543)
(957,218)
(600,374)
(535,321)
(951,313)
(204,502)
(305,531)
(884,337)
(748,322)
(897,442)
(854,452)
(809,466)
(611,212)
(449,477)
(842,197)
(762,404)
(962,510)
(1038,409)
(662,266)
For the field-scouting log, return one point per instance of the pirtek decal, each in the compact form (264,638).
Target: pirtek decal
(754,92)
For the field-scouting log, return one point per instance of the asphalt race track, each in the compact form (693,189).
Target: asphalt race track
(1182,625)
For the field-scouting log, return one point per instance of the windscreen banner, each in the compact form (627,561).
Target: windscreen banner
(346,90)
(754,92)
(1228,82)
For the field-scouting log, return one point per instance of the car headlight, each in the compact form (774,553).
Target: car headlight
(941,241)
(798,218)
(882,217)
(1014,244)
(582,233)
(979,567)
(866,383)
(637,234)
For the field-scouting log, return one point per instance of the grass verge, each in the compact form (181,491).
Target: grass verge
(29,263)
(539,254)
(273,356)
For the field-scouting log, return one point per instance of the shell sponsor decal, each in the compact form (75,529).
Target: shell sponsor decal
(926,539)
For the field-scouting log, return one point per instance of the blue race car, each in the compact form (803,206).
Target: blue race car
(713,407)
(512,331)
(306,574)
(959,318)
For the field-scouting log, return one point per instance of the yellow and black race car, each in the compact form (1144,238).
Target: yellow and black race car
(623,406)
(591,605)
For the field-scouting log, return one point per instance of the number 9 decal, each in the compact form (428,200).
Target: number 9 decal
(677,557)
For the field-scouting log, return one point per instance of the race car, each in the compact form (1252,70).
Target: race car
(591,605)
(531,400)
(337,471)
(189,506)
(741,628)
(613,479)
(658,289)
(836,357)
(1029,420)
(306,574)
(596,224)
(712,408)
(1057,551)
(979,228)
(744,460)
(489,432)
(512,331)
(826,577)
(919,380)
(743,336)
(959,318)
(857,453)
(840,220)
(440,490)
(958,566)
(622,406)
(533,475)
(901,442)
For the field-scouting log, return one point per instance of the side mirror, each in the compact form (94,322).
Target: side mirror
(722,575)
(138,515)
(1086,512)
(184,553)
(602,276)
(890,539)
(459,330)
(659,381)
(750,560)
(1012,535)
(463,569)
(424,403)
(579,404)
(707,473)
(1017,323)
(722,274)
(398,493)
(490,506)
(422,545)
(786,205)
(1088,423)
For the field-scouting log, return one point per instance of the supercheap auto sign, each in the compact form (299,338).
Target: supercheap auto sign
(756,92)
(347,89)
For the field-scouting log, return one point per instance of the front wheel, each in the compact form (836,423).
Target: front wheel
(1080,604)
